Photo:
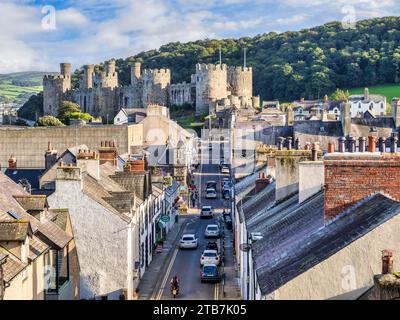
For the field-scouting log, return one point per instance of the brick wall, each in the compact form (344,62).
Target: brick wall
(351,177)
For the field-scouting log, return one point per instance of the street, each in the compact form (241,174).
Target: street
(186,263)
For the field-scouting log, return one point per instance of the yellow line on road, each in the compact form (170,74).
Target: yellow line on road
(167,274)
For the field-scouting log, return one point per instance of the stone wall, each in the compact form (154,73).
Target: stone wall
(29,144)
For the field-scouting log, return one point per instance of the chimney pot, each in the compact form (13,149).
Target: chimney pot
(331,147)
(307,146)
(296,143)
(361,144)
(280,143)
(382,144)
(342,146)
(371,144)
(387,261)
(49,148)
(289,143)
(352,144)
(393,142)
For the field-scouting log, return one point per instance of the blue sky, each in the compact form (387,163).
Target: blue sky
(91,31)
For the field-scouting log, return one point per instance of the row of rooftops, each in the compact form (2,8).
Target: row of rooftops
(294,235)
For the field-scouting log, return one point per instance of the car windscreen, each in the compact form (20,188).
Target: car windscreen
(209,269)
(212,228)
(209,254)
(187,238)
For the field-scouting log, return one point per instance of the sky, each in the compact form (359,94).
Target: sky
(36,35)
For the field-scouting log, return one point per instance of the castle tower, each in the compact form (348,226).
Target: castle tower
(65,70)
(88,76)
(109,78)
(136,73)
(240,80)
(211,85)
(156,86)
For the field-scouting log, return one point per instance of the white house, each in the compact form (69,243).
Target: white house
(375,104)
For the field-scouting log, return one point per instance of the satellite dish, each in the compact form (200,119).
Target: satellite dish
(245,247)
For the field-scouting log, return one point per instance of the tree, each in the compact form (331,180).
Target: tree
(49,121)
(340,95)
(33,108)
(66,109)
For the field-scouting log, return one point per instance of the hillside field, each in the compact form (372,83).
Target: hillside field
(390,91)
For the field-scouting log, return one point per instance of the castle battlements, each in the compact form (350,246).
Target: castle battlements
(203,67)
(156,71)
(240,69)
(52,77)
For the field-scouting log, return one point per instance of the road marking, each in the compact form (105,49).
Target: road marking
(167,274)
(216,291)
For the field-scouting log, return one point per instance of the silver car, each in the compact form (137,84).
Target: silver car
(210,256)
(212,231)
(211,194)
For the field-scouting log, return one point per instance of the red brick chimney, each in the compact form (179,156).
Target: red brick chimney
(387,261)
(136,165)
(12,162)
(350,178)
(108,152)
(261,182)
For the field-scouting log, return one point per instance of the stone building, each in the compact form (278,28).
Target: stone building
(100,94)
(214,85)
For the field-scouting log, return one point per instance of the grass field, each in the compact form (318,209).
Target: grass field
(14,93)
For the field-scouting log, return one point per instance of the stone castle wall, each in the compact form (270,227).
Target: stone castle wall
(211,85)
(240,80)
(29,144)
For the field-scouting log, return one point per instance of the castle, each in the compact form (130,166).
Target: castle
(100,95)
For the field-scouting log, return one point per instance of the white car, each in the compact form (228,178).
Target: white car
(210,257)
(188,241)
(212,231)
(206,212)
(225,169)
(211,194)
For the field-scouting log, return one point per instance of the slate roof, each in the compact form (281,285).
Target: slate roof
(262,200)
(15,230)
(372,97)
(285,226)
(18,174)
(382,122)
(12,267)
(351,225)
(54,234)
(331,128)
(36,247)
(32,202)
(100,189)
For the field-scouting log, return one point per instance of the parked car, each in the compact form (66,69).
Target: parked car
(206,212)
(211,193)
(211,245)
(225,169)
(212,231)
(211,185)
(188,241)
(210,273)
(210,256)
(226,194)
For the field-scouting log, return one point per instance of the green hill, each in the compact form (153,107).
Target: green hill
(18,87)
(286,66)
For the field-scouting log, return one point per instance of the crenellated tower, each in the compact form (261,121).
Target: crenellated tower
(155,86)
(211,85)
(240,80)
(54,88)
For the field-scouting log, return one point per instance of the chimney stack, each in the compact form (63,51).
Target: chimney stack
(296,144)
(352,144)
(387,261)
(261,182)
(366,94)
(314,151)
(108,152)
